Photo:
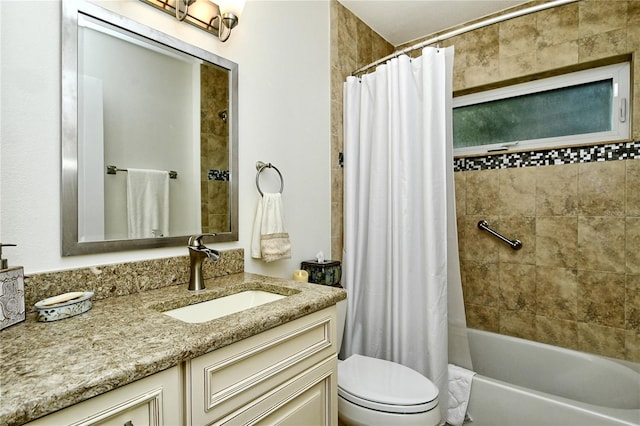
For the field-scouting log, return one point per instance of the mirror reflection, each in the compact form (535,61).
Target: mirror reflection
(154,139)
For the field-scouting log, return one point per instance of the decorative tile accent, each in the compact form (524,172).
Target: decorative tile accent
(569,155)
(222,175)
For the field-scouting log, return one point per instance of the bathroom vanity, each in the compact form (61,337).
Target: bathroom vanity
(286,375)
(127,362)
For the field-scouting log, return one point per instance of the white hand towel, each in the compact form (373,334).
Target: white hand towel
(459,392)
(270,238)
(147,203)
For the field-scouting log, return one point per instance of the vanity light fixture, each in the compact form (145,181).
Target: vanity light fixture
(215,18)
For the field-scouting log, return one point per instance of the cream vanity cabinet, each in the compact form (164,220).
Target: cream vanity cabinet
(155,401)
(285,375)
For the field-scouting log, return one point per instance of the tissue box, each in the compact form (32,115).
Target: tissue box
(328,272)
(11,296)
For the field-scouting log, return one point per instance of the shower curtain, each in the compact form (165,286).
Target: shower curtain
(400,242)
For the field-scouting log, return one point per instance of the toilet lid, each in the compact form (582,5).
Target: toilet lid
(385,386)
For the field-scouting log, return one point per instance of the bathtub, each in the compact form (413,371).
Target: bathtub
(520,382)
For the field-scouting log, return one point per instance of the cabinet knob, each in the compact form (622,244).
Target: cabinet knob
(128,423)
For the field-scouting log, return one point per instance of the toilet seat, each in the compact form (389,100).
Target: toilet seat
(385,386)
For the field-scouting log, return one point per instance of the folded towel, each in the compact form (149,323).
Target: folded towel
(459,392)
(270,238)
(147,203)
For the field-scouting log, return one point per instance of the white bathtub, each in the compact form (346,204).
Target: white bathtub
(520,382)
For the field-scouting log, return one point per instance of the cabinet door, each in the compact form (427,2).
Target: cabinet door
(308,399)
(234,376)
(154,401)
(307,408)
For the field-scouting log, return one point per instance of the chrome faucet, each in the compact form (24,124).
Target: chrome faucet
(197,253)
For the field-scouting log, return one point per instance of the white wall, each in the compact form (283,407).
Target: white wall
(282,48)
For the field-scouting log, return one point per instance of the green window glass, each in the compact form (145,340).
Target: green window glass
(575,110)
(583,107)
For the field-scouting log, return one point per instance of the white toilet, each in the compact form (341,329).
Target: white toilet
(377,392)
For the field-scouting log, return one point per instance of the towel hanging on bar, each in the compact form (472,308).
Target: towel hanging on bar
(112,170)
(147,203)
(270,237)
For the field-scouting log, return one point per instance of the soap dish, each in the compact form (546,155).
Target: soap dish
(64,306)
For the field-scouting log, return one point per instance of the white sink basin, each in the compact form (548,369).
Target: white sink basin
(227,305)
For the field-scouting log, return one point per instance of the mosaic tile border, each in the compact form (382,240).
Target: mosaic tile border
(568,155)
(222,175)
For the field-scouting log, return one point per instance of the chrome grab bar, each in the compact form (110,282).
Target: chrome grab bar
(514,244)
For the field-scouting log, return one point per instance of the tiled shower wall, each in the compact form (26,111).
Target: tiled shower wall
(214,149)
(576,282)
(353,45)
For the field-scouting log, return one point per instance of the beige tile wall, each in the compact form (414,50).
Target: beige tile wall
(214,148)
(576,281)
(577,33)
(353,45)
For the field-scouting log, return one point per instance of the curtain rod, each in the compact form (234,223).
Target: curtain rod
(465,29)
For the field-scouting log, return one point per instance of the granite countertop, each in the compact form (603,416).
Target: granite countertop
(48,366)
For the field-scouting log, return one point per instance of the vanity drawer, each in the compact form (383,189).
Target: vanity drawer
(154,401)
(229,378)
(310,398)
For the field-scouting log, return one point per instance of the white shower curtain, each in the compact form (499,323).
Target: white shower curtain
(400,213)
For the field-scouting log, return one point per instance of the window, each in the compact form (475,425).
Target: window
(571,109)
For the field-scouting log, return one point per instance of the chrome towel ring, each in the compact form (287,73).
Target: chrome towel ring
(260,166)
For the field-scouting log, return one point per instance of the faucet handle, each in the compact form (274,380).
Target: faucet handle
(194,240)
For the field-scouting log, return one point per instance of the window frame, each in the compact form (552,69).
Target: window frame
(620,73)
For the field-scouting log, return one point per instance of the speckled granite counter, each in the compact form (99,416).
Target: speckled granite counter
(48,366)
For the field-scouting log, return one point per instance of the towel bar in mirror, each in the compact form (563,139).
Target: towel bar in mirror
(117,108)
